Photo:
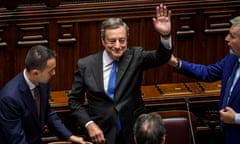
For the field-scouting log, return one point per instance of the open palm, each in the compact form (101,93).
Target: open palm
(162,21)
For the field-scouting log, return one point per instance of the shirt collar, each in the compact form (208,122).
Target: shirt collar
(29,83)
(106,59)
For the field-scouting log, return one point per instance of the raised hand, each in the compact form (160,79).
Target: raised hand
(162,21)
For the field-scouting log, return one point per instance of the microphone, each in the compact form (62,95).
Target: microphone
(186,99)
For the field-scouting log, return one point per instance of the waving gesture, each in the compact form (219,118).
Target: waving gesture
(162,21)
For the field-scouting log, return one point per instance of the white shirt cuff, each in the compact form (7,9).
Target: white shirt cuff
(88,123)
(237,118)
(167,42)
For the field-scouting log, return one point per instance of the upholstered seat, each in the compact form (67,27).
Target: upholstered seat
(177,126)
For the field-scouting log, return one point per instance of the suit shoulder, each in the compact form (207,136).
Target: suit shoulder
(90,59)
(17,83)
(135,49)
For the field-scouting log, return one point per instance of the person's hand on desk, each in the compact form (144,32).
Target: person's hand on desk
(78,140)
(95,133)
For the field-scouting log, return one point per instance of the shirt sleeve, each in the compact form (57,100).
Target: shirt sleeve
(167,42)
(237,118)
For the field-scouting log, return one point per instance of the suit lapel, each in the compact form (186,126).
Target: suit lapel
(122,69)
(235,91)
(29,101)
(97,71)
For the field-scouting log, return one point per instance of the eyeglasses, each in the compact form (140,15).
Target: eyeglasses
(113,41)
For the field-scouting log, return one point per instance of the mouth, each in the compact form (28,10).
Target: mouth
(116,50)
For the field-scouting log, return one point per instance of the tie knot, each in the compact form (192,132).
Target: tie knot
(114,65)
(36,88)
(114,62)
(36,91)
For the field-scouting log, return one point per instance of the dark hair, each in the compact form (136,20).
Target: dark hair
(113,23)
(149,129)
(38,56)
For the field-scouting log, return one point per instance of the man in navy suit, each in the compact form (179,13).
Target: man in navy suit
(228,71)
(110,119)
(21,122)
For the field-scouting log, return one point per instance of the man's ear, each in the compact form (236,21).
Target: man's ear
(103,42)
(35,72)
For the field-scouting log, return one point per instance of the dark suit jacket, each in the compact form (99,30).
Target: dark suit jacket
(219,71)
(19,121)
(127,102)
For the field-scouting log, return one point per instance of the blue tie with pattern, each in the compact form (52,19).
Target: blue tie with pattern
(112,80)
(111,88)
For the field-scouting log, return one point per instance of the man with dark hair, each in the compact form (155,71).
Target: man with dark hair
(149,129)
(24,105)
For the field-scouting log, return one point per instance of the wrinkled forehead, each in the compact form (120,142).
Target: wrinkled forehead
(119,32)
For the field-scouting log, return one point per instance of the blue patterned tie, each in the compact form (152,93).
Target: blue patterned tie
(112,80)
(111,88)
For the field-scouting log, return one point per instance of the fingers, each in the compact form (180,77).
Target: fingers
(169,14)
(96,134)
(99,139)
(227,115)
(162,10)
(228,108)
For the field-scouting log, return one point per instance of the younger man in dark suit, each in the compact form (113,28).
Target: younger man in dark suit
(23,113)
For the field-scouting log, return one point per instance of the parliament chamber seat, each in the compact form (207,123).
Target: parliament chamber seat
(178,127)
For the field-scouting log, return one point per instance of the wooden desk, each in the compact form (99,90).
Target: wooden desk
(171,96)
(203,99)
(59,100)
(163,96)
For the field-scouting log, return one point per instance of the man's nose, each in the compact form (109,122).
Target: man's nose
(227,38)
(117,44)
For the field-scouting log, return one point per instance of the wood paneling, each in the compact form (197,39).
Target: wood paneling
(72,28)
